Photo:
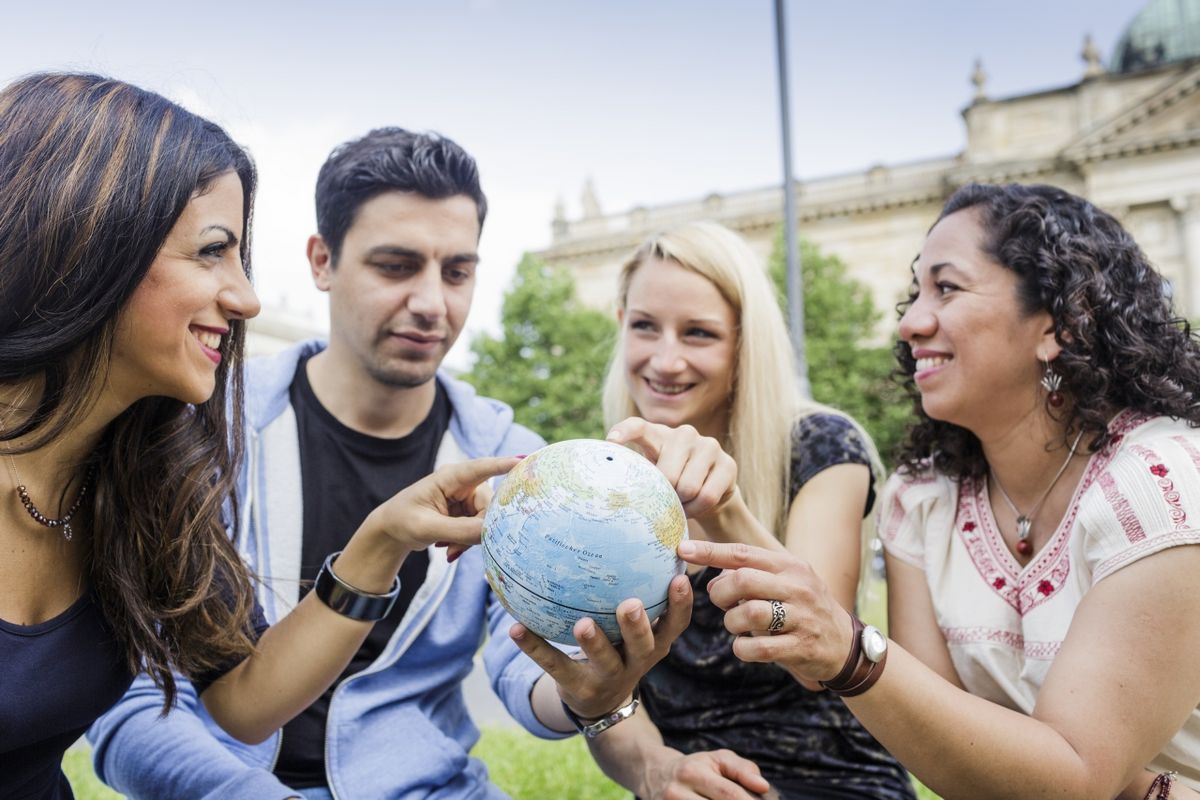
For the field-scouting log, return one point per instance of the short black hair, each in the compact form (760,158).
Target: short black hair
(390,160)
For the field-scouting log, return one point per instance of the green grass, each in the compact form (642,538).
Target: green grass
(523,766)
(78,766)
(528,768)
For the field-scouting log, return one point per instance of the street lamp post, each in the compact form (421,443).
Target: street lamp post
(795,281)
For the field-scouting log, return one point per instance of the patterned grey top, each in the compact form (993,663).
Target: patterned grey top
(807,744)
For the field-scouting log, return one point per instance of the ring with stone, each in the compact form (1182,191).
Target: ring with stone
(778,617)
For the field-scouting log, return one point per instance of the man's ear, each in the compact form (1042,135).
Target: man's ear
(320,261)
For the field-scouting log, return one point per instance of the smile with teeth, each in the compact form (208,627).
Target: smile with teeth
(668,388)
(209,339)
(931,362)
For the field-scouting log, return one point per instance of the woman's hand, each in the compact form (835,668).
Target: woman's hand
(703,474)
(445,507)
(602,676)
(709,774)
(815,638)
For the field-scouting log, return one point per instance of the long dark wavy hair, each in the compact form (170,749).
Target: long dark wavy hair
(94,173)
(1123,346)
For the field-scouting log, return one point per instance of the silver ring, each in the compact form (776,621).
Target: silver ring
(778,617)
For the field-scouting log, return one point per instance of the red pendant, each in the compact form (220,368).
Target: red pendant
(1024,547)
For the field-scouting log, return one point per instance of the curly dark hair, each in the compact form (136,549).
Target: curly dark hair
(1123,346)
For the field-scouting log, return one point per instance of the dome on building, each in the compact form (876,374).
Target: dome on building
(1162,32)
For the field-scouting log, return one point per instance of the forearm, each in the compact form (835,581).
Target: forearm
(547,705)
(626,753)
(963,746)
(305,652)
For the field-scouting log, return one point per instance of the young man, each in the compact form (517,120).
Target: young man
(334,430)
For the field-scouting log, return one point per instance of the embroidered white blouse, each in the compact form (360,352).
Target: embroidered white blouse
(1005,623)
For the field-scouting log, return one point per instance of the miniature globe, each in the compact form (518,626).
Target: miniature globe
(576,528)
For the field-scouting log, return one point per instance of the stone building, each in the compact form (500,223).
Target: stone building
(1127,136)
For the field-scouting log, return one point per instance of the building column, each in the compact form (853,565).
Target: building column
(1187,210)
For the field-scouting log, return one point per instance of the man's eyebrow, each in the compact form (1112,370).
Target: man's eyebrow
(395,250)
(407,252)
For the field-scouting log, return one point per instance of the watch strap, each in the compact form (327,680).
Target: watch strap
(594,728)
(845,677)
(876,669)
(350,601)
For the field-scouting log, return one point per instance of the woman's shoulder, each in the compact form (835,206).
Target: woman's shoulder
(828,435)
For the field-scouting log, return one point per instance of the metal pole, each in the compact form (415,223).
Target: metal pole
(795,282)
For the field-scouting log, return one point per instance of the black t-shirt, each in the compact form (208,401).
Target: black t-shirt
(345,475)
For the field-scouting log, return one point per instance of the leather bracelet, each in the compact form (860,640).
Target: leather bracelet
(593,729)
(845,678)
(350,601)
(867,682)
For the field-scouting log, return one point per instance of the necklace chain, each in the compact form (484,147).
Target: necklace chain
(1025,521)
(64,521)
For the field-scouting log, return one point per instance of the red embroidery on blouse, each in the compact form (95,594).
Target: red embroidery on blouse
(1045,587)
(968,526)
(1044,651)
(1120,506)
(1165,485)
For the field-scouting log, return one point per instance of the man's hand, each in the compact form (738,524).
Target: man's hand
(602,677)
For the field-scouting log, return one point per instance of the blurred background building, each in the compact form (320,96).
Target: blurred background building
(1126,135)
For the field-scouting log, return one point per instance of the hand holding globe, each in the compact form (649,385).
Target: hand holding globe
(580,546)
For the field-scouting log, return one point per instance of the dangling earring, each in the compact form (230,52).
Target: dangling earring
(1051,382)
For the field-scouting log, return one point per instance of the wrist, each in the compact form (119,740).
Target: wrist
(864,663)
(591,727)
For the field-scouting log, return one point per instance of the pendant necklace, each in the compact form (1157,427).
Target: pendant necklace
(64,521)
(1025,521)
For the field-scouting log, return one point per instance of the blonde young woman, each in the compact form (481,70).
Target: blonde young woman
(703,353)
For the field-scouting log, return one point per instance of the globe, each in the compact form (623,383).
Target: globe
(577,527)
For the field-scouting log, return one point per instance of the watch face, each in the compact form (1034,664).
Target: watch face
(874,643)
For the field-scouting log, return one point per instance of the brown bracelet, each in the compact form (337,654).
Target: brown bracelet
(845,677)
(860,672)
(1162,782)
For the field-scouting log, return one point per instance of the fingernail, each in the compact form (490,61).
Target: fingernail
(451,557)
(521,455)
(611,434)
(686,549)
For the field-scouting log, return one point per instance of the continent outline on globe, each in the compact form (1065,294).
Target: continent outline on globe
(577,527)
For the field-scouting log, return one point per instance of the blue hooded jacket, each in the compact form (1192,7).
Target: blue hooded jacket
(399,729)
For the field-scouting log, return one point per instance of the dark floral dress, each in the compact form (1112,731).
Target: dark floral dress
(807,744)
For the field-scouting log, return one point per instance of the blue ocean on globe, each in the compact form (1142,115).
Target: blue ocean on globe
(576,528)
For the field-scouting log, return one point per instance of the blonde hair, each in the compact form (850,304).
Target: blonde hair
(760,421)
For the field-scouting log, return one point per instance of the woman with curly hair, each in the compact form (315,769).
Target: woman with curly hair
(1039,531)
(124,285)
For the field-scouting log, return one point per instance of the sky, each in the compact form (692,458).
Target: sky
(654,100)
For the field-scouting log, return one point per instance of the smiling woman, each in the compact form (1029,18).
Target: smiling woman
(124,289)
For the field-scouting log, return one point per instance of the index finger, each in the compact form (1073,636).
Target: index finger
(636,431)
(728,555)
(458,479)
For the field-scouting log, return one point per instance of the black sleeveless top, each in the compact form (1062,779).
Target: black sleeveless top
(56,678)
(702,697)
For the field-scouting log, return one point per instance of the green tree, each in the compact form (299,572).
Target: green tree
(550,360)
(845,369)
